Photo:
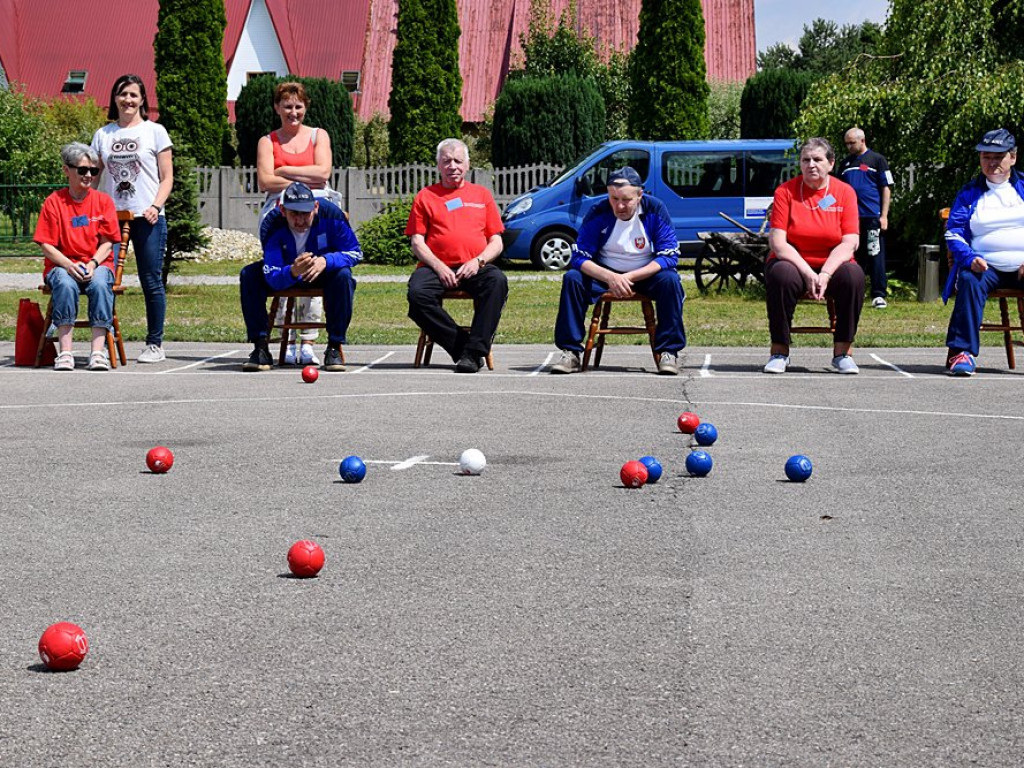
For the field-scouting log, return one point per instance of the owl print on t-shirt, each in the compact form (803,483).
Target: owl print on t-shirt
(124,166)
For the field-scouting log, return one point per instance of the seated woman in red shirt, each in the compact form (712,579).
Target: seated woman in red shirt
(815,231)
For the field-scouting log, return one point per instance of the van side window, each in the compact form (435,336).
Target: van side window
(702,174)
(767,169)
(594,179)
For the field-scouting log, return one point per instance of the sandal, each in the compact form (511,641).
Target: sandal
(65,362)
(98,362)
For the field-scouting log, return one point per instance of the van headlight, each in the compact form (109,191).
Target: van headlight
(519,207)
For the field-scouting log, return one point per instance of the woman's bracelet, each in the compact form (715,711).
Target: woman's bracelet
(827,274)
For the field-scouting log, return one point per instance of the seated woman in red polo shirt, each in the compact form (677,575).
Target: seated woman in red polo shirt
(815,232)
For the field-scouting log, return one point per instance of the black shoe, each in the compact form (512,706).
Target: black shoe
(469,363)
(259,360)
(332,360)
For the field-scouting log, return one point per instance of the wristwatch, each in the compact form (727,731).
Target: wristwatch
(481,261)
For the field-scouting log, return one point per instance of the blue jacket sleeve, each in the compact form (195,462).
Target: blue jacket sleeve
(278,255)
(340,246)
(663,235)
(958,238)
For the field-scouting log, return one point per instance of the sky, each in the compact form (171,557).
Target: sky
(782,21)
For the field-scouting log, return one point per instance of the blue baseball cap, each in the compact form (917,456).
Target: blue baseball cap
(624,176)
(298,197)
(999,140)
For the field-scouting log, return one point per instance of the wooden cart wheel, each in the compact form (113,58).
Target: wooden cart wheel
(716,271)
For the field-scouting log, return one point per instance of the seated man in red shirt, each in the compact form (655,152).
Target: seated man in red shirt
(455,230)
(76,229)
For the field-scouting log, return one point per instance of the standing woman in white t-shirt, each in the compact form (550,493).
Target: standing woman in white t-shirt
(138,173)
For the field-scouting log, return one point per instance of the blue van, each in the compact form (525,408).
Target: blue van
(695,179)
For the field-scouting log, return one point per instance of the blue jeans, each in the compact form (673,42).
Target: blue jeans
(66,290)
(150,241)
(339,289)
(972,290)
(580,291)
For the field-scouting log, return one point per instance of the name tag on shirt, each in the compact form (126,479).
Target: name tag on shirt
(826,202)
(454,204)
(79,221)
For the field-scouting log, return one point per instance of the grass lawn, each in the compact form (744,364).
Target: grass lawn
(212,313)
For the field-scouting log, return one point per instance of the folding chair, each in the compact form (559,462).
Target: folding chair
(599,327)
(425,345)
(114,339)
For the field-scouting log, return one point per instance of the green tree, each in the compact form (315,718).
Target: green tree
(552,119)
(330,108)
(191,79)
(668,75)
(27,154)
(824,48)
(771,103)
(943,79)
(371,142)
(184,227)
(426,86)
(724,110)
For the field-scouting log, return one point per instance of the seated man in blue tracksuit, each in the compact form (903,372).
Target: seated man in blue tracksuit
(308,244)
(626,245)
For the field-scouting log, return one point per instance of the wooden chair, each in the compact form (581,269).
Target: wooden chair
(115,342)
(425,345)
(599,327)
(288,322)
(1002,295)
(830,329)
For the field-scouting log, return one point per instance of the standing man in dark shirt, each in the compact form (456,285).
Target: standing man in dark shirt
(868,173)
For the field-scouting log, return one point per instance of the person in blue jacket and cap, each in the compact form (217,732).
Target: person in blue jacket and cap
(310,243)
(985,237)
(626,245)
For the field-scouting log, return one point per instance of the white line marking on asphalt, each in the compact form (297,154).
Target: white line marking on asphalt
(372,363)
(894,367)
(543,365)
(200,362)
(418,463)
(411,461)
(705,372)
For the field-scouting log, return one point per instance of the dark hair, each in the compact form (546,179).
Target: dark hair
(819,143)
(285,90)
(119,85)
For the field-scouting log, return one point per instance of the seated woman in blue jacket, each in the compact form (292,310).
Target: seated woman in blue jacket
(985,236)
(626,245)
(309,244)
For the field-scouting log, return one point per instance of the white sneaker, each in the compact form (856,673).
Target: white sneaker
(568,363)
(668,364)
(65,362)
(844,364)
(777,364)
(308,356)
(878,303)
(152,354)
(98,361)
(289,355)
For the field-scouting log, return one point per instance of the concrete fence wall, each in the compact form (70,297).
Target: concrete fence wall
(229,198)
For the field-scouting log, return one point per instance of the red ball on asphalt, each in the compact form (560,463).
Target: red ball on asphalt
(63,646)
(688,422)
(305,559)
(310,374)
(159,459)
(633,474)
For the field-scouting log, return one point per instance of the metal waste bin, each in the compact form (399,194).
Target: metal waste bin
(928,273)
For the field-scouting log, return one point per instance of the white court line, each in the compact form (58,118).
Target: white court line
(705,370)
(543,365)
(199,362)
(523,393)
(409,463)
(891,365)
(372,363)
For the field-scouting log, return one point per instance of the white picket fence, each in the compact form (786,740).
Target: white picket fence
(229,198)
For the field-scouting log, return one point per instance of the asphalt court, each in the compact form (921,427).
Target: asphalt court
(539,614)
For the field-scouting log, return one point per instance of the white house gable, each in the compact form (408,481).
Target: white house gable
(258,50)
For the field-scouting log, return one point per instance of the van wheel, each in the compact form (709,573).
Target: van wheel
(717,272)
(552,250)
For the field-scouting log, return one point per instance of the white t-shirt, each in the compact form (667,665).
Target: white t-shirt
(130,172)
(997,227)
(300,240)
(628,246)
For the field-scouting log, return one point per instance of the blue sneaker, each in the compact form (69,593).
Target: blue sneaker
(962,365)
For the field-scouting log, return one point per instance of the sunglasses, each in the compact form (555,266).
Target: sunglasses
(86,170)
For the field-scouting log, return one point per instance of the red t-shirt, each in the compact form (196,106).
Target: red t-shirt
(74,228)
(456,223)
(815,224)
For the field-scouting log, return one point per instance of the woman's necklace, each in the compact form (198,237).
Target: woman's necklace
(803,183)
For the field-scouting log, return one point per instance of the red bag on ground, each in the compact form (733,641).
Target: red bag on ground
(27,333)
